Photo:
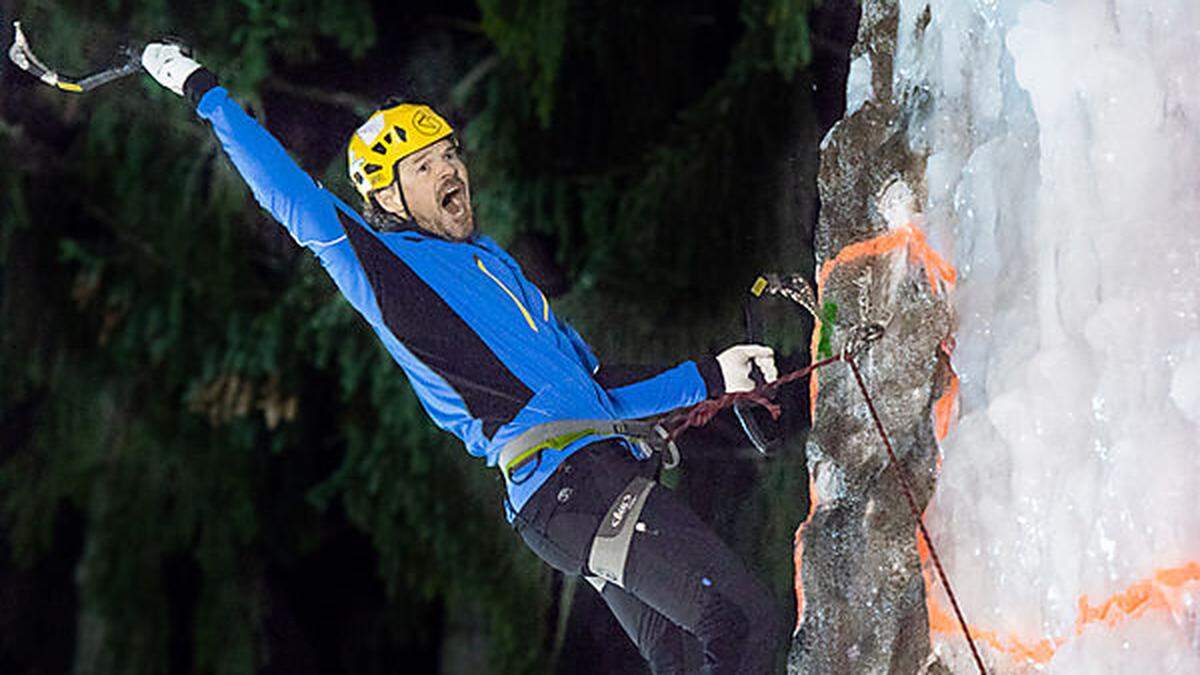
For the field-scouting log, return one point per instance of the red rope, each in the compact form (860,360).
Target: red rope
(703,412)
(916,513)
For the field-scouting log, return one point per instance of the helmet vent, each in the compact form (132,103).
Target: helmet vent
(379,148)
(371,168)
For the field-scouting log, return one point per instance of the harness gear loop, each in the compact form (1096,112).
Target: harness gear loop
(666,445)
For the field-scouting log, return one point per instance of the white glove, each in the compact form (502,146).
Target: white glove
(735,366)
(167,64)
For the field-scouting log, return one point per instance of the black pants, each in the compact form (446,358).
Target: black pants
(682,583)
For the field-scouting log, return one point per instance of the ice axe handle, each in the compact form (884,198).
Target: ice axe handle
(741,409)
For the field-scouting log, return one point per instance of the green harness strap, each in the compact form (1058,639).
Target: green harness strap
(556,443)
(648,436)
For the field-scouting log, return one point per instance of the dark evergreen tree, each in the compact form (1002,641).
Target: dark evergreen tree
(207,462)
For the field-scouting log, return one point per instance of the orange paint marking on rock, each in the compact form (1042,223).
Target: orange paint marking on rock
(1163,590)
(941,621)
(798,550)
(908,235)
(946,407)
(813,387)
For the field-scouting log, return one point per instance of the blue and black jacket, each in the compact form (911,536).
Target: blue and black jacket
(480,344)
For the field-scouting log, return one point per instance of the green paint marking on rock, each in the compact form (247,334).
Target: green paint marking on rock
(829,312)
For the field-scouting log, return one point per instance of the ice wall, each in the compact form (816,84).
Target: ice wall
(1063,181)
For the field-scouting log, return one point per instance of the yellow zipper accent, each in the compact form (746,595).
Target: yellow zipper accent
(524,312)
(545,306)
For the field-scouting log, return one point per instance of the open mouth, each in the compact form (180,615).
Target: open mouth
(453,198)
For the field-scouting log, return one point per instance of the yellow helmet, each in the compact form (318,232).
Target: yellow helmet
(389,136)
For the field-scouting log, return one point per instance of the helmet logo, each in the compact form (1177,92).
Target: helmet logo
(426,123)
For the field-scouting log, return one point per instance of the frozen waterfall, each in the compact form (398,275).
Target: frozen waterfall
(1063,180)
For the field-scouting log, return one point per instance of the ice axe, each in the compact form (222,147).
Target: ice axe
(793,287)
(128,63)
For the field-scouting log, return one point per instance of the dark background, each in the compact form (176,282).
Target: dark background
(208,464)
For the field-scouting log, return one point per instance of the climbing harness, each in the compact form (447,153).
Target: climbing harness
(520,457)
(128,63)
(610,545)
(526,450)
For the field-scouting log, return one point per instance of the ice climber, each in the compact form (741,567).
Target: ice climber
(492,364)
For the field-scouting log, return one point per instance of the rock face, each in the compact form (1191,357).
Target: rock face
(863,597)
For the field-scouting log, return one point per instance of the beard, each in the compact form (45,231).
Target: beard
(460,227)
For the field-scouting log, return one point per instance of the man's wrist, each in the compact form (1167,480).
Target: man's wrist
(198,84)
(710,372)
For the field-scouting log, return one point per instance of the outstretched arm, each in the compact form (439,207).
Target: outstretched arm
(309,212)
(640,391)
(304,208)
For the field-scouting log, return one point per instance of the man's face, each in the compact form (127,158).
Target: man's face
(437,189)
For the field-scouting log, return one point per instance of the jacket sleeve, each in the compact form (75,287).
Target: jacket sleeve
(309,212)
(642,391)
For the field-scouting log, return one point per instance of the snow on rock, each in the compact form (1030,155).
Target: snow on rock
(1062,178)
(858,84)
